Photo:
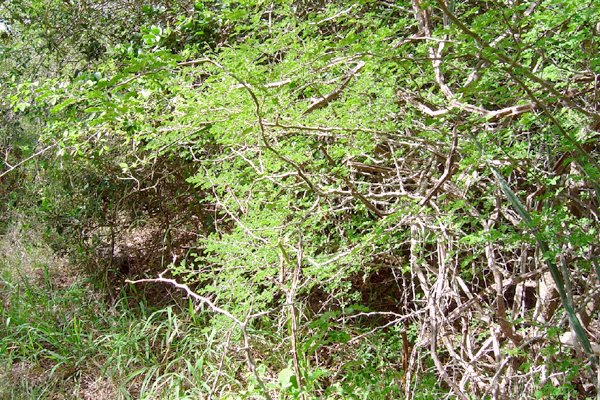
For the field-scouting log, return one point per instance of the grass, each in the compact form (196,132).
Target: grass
(60,339)
(69,344)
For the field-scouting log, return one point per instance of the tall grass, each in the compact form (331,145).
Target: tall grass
(63,340)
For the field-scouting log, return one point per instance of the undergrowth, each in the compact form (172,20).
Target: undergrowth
(59,337)
(63,338)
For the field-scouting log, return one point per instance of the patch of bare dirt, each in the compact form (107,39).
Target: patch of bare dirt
(98,388)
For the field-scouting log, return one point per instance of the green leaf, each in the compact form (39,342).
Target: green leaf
(286,378)
(57,108)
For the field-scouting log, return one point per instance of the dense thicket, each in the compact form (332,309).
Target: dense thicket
(374,199)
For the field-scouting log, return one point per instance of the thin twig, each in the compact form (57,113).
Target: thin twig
(31,157)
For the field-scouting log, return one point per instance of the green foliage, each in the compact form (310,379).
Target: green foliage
(366,161)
